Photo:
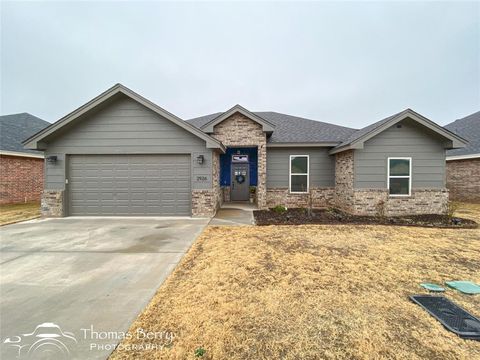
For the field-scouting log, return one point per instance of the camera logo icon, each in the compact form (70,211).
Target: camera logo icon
(47,341)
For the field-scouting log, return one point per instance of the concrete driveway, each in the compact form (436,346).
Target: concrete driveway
(83,280)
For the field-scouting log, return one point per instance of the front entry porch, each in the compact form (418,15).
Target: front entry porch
(238,213)
(239,174)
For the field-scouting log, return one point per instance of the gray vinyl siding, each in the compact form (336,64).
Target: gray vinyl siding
(411,140)
(124,126)
(322,166)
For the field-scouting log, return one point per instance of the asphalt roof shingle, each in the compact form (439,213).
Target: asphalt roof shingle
(468,128)
(292,129)
(17,127)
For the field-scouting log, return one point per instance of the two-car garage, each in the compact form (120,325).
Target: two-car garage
(122,155)
(129,185)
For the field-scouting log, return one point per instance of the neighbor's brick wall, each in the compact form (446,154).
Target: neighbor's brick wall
(21,179)
(321,198)
(238,130)
(463,179)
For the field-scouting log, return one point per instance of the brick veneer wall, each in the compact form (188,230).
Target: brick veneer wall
(216,179)
(204,202)
(53,203)
(463,179)
(21,179)
(374,202)
(238,130)
(321,198)
(344,178)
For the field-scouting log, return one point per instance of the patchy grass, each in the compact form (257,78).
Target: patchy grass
(18,212)
(312,291)
(469,211)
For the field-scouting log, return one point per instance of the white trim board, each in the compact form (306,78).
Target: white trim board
(463,157)
(301,174)
(21,154)
(410,175)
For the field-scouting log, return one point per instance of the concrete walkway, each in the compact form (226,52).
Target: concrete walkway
(234,214)
(83,281)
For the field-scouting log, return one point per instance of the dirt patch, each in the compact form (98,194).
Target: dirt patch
(334,216)
(311,292)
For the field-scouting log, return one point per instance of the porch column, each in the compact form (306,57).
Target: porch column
(262,176)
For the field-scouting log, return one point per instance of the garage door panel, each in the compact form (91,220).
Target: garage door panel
(129,185)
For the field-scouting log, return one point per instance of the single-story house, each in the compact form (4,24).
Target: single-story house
(21,170)
(121,154)
(463,165)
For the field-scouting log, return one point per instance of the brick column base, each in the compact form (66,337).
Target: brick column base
(52,203)
(204,203)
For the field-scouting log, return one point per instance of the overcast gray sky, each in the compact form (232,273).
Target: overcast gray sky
(346,63)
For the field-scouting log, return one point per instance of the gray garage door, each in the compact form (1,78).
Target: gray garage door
(129,185)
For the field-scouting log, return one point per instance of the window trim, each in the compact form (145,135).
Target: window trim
(290,175)
(400,176)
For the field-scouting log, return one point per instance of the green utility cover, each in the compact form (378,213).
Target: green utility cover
(432,287)
(466,287)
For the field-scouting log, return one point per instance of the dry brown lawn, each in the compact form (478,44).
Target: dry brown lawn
(18,212)
(313,292)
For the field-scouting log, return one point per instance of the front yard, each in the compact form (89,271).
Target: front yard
(18,212)
(313,291)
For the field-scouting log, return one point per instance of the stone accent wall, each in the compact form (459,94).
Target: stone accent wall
(321,198)
(344,181)
(375,202)
(237,131)
(216,179)
(463,179)
(52,203)
(21,179)
(226,193)
(204,202)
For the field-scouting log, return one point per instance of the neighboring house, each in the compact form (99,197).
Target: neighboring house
(463,165)
(21,170)
(121,154)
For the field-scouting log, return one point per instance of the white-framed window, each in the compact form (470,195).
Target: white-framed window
(299,174)
(399,175)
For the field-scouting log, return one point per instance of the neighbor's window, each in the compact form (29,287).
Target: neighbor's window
(399,176)
(299,173)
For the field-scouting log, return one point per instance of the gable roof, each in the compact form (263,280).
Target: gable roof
(358,138)
(292,129)
(15,128)
(468,128)
(34,142)
(266,126)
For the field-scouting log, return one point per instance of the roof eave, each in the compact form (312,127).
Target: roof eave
(266,125)
(463,157)
(302,144)
(21,154)
(456,141)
